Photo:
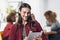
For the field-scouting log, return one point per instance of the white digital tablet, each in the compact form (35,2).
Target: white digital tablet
(32,34)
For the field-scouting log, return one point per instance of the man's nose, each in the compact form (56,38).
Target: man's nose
(26,14)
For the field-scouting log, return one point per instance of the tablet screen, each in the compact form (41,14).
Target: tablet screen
(32,34)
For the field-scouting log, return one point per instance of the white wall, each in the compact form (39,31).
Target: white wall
(54,5)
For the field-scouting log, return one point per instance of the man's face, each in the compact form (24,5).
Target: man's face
(25,13)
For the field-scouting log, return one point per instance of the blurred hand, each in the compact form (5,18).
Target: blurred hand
(53,32)
(26,38)
(37,37)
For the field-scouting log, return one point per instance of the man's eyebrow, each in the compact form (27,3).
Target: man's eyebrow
(29,12)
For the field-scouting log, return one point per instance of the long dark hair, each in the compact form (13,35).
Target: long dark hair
(29,20)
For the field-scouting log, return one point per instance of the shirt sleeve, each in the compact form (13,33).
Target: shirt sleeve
(6,31)
(12,34)
(57,24)
(40,29)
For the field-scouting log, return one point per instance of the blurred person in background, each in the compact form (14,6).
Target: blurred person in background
(52,22)
(10,19)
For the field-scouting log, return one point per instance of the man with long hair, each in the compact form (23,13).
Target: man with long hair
(21,29)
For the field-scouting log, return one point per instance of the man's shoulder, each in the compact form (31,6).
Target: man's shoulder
(37,22)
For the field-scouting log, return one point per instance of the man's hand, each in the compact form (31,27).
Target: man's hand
(26,38)
(37,37)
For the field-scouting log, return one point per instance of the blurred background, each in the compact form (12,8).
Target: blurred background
(38,9)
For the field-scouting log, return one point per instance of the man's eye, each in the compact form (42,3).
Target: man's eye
(28,12)
(24,12)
